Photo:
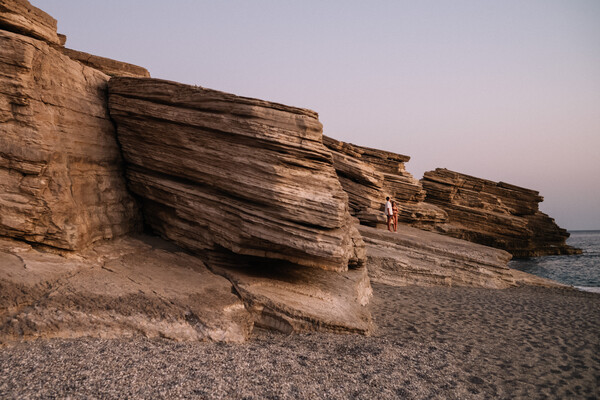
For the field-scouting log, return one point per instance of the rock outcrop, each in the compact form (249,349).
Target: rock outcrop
(220,172)
(21,17)
(124,287)
(416,257)
(108,66)
(495,214)
(293,298)
(370,175)
(61,181)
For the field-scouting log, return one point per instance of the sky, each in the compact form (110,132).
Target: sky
(502,90)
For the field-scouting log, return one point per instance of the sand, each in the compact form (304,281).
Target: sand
(445,343)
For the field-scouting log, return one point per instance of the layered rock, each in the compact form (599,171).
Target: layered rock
(108,66)
(125,287)
(495,214)
(216,171)
(416,257)
(291,298)
(21,17)
(370,175)
(61,182)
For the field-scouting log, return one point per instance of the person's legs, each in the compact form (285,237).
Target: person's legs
(395,223)
(389,221)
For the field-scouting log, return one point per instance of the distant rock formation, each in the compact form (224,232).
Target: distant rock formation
(61,181)
(217,171)
(495,214)
(370,175)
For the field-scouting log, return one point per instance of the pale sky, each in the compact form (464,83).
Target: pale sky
(503,90)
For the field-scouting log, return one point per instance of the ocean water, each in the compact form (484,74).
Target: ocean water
(581,271)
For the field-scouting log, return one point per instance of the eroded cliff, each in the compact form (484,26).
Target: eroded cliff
(370,175)
(495,214)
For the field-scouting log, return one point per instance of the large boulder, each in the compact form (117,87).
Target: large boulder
(495,214)
(218,172)
(61,182)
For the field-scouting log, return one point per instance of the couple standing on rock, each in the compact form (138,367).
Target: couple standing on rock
(391,212)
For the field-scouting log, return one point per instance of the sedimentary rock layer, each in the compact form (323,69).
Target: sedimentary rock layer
(495,214)
(292,298)
(124,287)
(217,171)
(61,181)
(416,257)
(21,17)
(108,66)
(370,175)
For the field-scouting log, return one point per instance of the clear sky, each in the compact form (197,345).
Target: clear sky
(503,90)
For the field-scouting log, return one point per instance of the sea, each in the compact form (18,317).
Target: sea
(581,271)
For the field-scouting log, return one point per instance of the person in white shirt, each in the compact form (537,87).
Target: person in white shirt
(389,213)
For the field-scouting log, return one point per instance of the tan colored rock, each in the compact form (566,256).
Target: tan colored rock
(416,257)
(61,182)
(370,175)
(126,287)
(21,17)
(218,172)
(495,214)
(300,299)
(108,66)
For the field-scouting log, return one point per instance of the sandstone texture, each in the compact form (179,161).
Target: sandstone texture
(108,66)
(61,181)
(416,257)
(370,175)
(495,214)
(138,286)
(218,172)
(21,17)
(300,299)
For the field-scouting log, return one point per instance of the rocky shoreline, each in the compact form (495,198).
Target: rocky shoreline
(437,342)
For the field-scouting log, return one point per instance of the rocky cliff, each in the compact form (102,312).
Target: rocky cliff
(61,182)
(256,209)
(244,175)
(495,214)
(370,175)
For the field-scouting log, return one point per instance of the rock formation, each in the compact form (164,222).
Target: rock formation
(124,287)
(251,189)
(61,182)
(21,17)
(495,214)
(416,257)
(370,175)
(108,66)
(244,175)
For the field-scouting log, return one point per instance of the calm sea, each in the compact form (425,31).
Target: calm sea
(581,271)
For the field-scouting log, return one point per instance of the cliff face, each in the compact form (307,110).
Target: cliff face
(370,175)
(495,214)
(233,173)
(60,167)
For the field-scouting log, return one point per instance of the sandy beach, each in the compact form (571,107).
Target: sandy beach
(431,343)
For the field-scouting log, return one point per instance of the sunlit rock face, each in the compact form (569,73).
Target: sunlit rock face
(370,175)
(61,182)
(220,172)
(495,214)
